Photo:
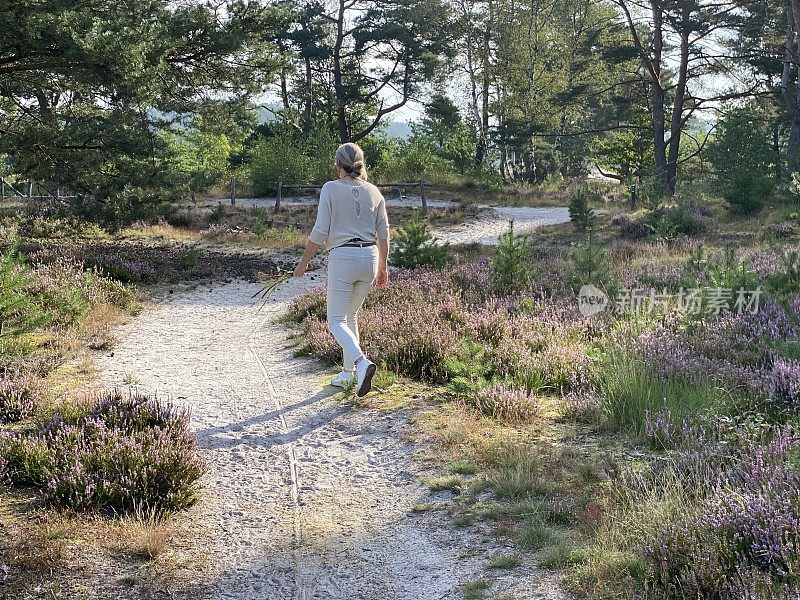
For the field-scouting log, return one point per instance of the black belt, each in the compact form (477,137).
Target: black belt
(355,243)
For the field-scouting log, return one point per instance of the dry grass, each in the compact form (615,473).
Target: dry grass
(159,232)
(143,536)
(60,555)
(272,239)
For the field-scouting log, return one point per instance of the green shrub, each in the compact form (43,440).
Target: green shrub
(703,270)
(189,258)
(292,157)
(743,159)
(786,281)
(218,213)
(510,265)
(414,246)
(20,313)
(746,193)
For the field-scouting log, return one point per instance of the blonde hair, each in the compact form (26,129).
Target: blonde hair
(350,157)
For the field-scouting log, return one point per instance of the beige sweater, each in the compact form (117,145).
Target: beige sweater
(349,211)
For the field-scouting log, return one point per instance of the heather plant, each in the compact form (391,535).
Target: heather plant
(733,350)
(414,246)
(505,403)
(784,387)
(128,452)
(510,264)
(19,395)
(745,525)
(630,228)
(310,304)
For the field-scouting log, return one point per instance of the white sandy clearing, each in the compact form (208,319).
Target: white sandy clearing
(486,228)
(493,221)
(306,497)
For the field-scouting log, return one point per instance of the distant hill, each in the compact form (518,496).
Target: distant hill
(396,129)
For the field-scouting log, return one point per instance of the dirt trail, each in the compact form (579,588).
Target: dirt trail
(306,497)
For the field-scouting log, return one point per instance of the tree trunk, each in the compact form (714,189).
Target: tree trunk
(677,108)
(284,90)
(790,92)
(308,106)
(341,109)
(483,140)
(794,137)
(658,99)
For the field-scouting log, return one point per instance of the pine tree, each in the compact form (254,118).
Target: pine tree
(580,212)
(510,264)
(414,246)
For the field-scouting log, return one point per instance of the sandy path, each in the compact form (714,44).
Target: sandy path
(306,497)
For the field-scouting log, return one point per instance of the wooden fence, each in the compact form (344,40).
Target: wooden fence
(313,186)
(7,186)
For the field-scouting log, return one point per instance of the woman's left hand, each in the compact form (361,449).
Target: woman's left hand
(300,270)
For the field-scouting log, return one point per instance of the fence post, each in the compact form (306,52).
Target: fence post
(422,193)
(233,191)
(278,199)
(30,190)
(3,188)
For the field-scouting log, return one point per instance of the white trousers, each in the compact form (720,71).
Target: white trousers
(351,273)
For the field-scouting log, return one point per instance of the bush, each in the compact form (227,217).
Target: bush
(218,213)
(786,281)
(414,246)
(687,218)
(746,193)
(728,272)
(18,397)
(505,403)
(291,157)
(129,452)
(510,265)
(630,228)
(743,159)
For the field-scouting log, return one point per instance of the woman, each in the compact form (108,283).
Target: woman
(353,226)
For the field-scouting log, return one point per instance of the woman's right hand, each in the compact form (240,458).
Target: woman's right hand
(382,278)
